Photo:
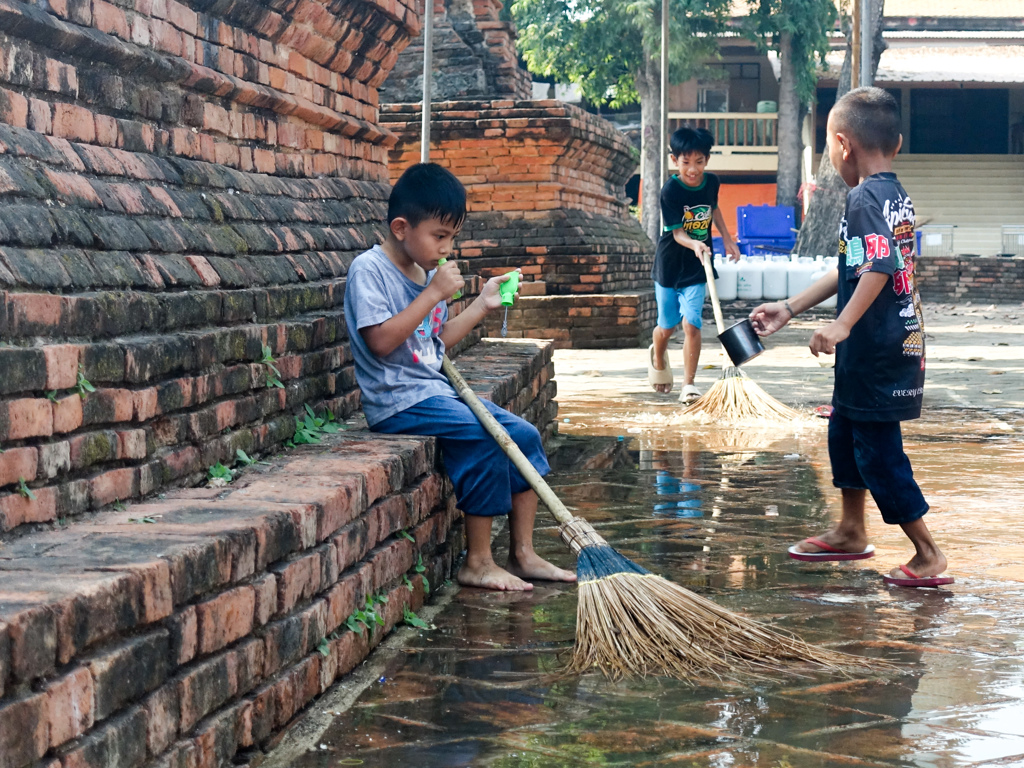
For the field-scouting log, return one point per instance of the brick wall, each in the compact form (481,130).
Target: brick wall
(188,631)
(546,184)
(989,279)
(181,185)
(473,57)
(582,321)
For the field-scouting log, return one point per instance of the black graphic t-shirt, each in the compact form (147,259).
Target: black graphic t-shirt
(880,367)
(689,209)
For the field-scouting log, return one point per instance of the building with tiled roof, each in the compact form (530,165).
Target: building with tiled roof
(957,68)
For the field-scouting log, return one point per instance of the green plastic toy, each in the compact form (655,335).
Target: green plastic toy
(507,291)
(458,294)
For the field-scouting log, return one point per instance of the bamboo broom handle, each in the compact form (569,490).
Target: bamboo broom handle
(526,469)
(713,290)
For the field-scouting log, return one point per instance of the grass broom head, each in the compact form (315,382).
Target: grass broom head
(737,399)
(631,622)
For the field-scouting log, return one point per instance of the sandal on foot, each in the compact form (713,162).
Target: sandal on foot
(913,580)
(654,376)
(690,394)
(828,552)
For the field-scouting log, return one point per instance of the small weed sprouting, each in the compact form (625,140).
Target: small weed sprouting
(324,648)
(310,428)
(410,618)
(406,535)
(241,457)
(420,568)
(408,582)
(24,490)
(52,395)
(367,615)
(119,506)
(84,386)
(218,472)
(273,374)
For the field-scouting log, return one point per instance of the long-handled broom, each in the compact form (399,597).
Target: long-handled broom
(630,621)
(735,398)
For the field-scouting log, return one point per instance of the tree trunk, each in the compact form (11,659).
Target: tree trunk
(819,234)
(790,140)
(648,85)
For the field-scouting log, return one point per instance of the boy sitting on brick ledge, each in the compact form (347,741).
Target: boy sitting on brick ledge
(396,300)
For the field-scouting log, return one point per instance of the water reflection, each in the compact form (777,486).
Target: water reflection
(716,514)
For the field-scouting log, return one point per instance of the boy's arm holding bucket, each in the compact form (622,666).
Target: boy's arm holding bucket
(771,317)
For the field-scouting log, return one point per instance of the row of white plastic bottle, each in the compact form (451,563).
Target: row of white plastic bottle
(779,277)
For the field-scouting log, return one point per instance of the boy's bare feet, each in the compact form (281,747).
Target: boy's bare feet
(533,566)
(846,541)
(491,576)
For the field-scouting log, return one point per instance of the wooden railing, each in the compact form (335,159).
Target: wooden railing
(734,132)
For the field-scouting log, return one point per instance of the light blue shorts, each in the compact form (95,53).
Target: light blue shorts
(674,304)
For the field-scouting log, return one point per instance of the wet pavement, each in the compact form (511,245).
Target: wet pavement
(715,510)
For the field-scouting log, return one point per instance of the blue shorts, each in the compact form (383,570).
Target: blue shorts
(868,455)
(674,304)
(484,477)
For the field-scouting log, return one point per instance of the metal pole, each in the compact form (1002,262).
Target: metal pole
(866,39)
(855,47)
(428,70)
(663,160)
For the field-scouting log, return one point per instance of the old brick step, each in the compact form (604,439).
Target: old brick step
(195,626)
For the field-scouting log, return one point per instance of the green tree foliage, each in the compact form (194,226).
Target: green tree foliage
(603,45)
(798,31)
(808,22)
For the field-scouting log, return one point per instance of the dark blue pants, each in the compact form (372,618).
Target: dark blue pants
(484,477)
(868,455)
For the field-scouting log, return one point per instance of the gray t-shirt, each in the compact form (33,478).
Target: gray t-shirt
(377,290)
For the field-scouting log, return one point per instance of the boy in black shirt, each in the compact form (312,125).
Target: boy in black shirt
(878,340)
(689,203)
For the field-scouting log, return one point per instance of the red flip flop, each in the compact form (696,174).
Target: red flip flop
(914,580)
(829,552)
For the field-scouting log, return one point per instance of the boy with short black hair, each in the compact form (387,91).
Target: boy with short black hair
(878,340)
(689,204)
(396,307)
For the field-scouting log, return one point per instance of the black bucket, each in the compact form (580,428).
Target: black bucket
(741,342)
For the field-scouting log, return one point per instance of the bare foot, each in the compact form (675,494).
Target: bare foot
(533,566)
(923,566)
(841,540)
(490,576)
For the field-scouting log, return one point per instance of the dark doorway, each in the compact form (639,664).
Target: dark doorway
(969,121)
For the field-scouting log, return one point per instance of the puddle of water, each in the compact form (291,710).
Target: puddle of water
(716,514)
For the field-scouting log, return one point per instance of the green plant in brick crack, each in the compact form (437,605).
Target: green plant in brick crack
(368,615)
(218,475)
(24,490)
(52,395)
(421,569)
(310,428)
(273,374)
(406,535)
(324,648)
(408,582)
(84,386)
(410,618)
(241,457)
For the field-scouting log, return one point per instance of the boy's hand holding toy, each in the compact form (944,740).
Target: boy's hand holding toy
(501,290)
(447,280)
